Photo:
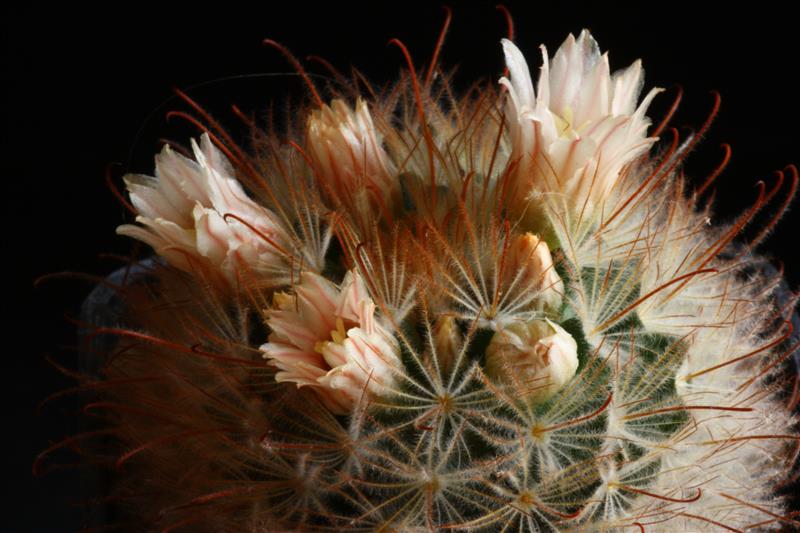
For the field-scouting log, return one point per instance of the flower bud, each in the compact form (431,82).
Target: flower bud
(539,358)
(347,153)
(447,340)
(530,267)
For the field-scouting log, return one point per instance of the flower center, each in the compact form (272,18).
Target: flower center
(338,335)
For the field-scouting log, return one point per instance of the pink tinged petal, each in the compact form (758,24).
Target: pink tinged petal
(293,361)
(543,86)
(236,201)
(184,176)
(377,357)
(168,251)
(618,145)
(356,375)
(224,192)
(375,160)
(545,128)
(341,379)
(214,157)
(366,316)
(514,109)
(168,239)
(381,353)
(628,85)
(642,109)
(299,373)
(316,303)
(580,79)
(566,74)
(139,233)
(335,354)
(261,231)
(252,262)
(288,328)
(286,354)
(570,156)
(354,291)
(150,202)
(169,233)
(600,130)
(365,126)
(520,86)
(344,387)
(594,99)
(336,401)
(213,234)
(221,192)
(173,171)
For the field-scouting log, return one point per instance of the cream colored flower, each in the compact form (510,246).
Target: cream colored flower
(182,212)
(530,268)
(328,338)
(581,126)
(347,152)
(538,357)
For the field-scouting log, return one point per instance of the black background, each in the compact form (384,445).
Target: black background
(79,85)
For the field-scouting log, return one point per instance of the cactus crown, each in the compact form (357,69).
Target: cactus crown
(494,312)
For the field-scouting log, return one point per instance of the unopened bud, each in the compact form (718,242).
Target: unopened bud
(348,154)
(447,340)
(530,267)
(539,358)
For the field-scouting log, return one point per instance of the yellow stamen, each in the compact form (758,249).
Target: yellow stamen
(340,334)
(283,301)
(564,122)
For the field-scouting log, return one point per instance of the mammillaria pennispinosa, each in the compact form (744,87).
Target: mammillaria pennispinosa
(418,311)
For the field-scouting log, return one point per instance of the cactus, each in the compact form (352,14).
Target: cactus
(505,311)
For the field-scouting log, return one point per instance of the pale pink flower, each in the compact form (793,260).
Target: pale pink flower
(539,357)
(347,152)
(182,212)
(329,338)
(581,126)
